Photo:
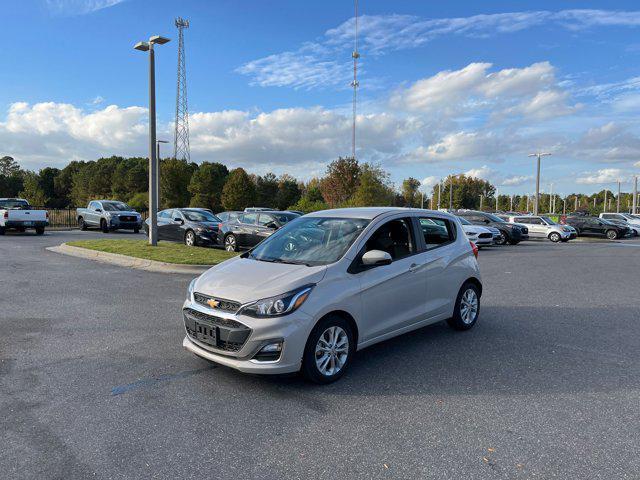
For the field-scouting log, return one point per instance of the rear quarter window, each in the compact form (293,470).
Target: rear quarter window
(437,231)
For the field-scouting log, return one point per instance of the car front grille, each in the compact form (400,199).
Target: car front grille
(219,333)
(127,218)
(222,304)
(485,235)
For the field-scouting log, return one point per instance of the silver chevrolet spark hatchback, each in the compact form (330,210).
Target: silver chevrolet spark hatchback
(330,283)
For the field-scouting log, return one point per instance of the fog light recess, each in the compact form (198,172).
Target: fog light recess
(269,353)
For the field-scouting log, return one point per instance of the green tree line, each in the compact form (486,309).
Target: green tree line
(346,183)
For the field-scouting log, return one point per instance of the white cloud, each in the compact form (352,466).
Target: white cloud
(79,7)
(313,64)
(428,182)
(515,180)
(529,92)
(483,172)
(605,175)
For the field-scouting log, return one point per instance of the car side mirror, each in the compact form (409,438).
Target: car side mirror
(99,210)
(178,220)
(375,258)
(272,225)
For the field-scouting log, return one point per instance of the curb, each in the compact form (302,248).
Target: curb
(130,262)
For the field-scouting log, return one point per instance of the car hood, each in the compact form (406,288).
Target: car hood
(244,280)
(475,229)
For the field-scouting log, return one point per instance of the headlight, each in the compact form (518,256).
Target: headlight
(279,305)
(472,233)
(566,229)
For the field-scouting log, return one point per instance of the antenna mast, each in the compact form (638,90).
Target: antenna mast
(181,133)
(355,83)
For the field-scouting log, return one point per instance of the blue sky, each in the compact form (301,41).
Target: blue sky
(445,87)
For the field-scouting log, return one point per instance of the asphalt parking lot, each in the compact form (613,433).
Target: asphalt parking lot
(94,381)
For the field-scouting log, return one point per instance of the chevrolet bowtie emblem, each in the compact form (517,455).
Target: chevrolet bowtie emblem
(213,303)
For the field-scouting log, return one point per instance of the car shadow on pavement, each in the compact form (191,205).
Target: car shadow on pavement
(509,352)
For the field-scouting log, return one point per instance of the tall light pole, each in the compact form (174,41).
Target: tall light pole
(618,202)
(635,194)
(158,142)
(539,155)
(511,203)
(497,197)
(450,193)
(439,193)
(604,207)
(481,198)
(153,161)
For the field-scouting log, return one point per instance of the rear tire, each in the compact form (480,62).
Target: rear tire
(21,229)
(554,237)
(103,226)
(329,350)
(1,230)
(39,230)
(611,234)
(230,243)
(514,242)
(467,308)
(81,224)
(136,230)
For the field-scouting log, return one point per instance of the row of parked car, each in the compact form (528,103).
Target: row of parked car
(235,230)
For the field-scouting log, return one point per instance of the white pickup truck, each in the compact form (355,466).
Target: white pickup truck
(16,213)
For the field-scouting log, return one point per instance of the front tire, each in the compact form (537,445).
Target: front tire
(554,237)
(611,234)
(190,239)
(514,242)
(39,230)
(329,350)
(103,226)
(230,243)
(136,230)
(502,239)
(2,230)
(82,225)
(467,308)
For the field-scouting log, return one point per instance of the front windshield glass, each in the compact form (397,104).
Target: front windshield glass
(494,218)
(464,221)
(548,221)
(14,204)
(200,216)
(116,207)
(310,241)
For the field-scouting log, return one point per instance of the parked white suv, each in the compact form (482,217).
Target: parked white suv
(544,227)
(626,219)
(330,283)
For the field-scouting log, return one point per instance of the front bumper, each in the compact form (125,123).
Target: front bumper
(209,237)
(292,330)
(114,223)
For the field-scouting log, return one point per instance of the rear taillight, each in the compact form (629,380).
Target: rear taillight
(474,249)
(219,226)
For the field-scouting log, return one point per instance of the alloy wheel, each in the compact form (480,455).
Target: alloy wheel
(332,351)
(190,239)
(469,306)
(230,243)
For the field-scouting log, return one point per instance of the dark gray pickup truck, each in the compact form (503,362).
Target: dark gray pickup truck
(109,215)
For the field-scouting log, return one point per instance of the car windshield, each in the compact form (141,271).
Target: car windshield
(116,207)
(548,221)
(14,204)
(464,221)
(200,216)
(310,241)
(494,218)
(285,217)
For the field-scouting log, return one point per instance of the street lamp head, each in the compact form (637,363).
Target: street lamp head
(541,154)
(159,40)
(162,141)
(142,46)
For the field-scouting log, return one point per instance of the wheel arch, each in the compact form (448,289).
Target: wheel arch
(475,281)
(347,317)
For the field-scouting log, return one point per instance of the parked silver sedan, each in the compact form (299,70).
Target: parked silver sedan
(541,226)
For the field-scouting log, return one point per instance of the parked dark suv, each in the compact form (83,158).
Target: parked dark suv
(594,226)
(250,228)
(509,232)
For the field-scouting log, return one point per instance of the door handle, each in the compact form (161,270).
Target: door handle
(414,267)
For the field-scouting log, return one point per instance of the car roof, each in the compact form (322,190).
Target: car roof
(367,213)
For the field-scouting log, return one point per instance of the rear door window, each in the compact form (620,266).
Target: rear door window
(437,231)
(394,237)
(249,218)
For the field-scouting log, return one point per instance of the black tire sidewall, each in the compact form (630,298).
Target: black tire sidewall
(309,368)
(456,322)
(614,237)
